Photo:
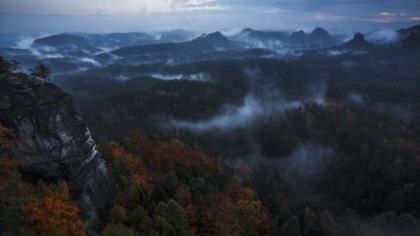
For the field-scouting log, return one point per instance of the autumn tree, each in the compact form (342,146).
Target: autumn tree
(54,214)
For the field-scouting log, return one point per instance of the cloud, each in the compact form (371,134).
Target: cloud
(335,52)
(383,36)
(344,16)
(194,77)
(91,61)
(309,159)
(197,5)
(25,43)
(233,117)
(103,7)
(387,14)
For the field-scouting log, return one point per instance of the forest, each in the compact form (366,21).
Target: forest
(256,133)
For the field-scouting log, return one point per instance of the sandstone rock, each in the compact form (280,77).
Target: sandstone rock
(54,143)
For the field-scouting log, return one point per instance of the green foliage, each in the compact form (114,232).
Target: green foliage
(117,230)
(117,215)
(140,219)
(41,71)
(162,226)
(175,215)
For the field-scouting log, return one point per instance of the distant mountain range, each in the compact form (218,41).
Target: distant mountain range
(75,52)
(126,44)
(205,43)
(113,40)
(319,37)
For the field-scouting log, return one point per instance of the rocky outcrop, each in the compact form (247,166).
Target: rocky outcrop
(410,38)
(359,42)
(54,143)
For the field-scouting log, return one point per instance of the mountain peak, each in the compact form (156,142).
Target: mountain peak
(216,37)
(299,33)
(358,41)
(320,32)
(247,31)
(410,37)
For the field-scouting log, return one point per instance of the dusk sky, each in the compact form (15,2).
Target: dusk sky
(47,16)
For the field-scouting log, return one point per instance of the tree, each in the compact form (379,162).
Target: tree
(175,215)
(117,215)
(54,214)
(5,66)
(140,219)
(117,230)
(41,71)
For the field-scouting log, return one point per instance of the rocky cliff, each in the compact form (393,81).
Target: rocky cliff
(54,143)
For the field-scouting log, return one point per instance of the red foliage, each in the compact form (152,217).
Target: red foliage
(54,214)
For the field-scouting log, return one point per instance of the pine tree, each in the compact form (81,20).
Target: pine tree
(41,71)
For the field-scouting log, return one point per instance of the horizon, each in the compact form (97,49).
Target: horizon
(204,16)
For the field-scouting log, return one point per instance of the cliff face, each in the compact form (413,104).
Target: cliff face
(54,143)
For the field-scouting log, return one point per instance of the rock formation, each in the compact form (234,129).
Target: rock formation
(54,143)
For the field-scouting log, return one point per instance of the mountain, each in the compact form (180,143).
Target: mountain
(358,42)
(112,40)
(212,41)
(62,40)
(205,43)
(70,45)
(175,36)
(410,37)
(249,33)
(53,142)
(298,38)
(322,37)
(319,37)
(115,40)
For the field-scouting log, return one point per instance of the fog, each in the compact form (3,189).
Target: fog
(194,77)
(252,109)
(382,36)
(91,61)
(25,43)
(309,160)
(385,224)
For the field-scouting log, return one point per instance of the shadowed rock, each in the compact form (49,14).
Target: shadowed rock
(54,143)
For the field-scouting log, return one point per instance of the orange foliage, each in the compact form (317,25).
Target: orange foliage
(55,213)
(175,155)
(160,158)
(233,211)
(237,191)
(8,168)
(166,155)
(135,163)
(252,217)
(183,196)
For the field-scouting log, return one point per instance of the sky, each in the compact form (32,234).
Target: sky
(54,16)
